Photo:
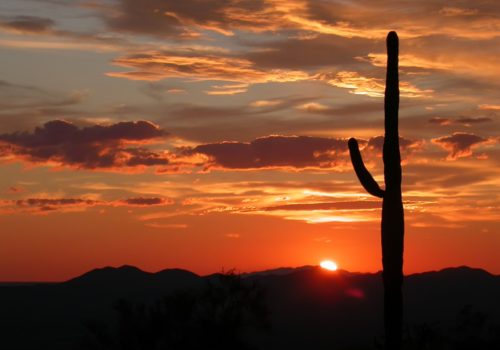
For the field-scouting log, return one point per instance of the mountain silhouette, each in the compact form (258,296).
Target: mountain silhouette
(311,308)
(130,278)
(280,271)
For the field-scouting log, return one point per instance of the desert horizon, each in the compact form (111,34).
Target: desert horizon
(354,141)
(195,135)
(311,307)
(279,270)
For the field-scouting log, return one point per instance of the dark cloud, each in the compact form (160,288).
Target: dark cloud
(56,204)
(299,18)
(321,51)
(146,202)
(377,143)
(16,189)
(296,152)
(48,209)
(470,121)
(28,25)
(439,121)
(172,18)
(460,144)
(94,147)
(23,97)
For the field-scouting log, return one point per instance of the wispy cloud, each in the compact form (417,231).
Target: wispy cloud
(312,107)
(372,87)
(155,66)
(37,205)
(28,25)
(225,92)
(265,103)
(166,225)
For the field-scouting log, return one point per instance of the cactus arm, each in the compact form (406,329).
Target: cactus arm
(364,176)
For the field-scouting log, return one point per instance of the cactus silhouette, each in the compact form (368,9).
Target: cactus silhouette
(392,204)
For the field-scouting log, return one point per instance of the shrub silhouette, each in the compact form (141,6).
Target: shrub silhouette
(217,317)
(392,204)
(470,332)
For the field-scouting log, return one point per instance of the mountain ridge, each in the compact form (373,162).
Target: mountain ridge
(309,305)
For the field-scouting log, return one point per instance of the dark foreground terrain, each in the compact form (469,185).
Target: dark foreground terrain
(310,308)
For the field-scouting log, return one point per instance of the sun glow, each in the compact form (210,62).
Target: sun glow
(329,265)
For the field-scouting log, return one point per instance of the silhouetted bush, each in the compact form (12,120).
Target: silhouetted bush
(470,332)
(219,316)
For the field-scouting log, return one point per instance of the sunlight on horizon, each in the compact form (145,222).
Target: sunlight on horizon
(329,265)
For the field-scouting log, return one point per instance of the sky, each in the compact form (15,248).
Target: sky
(211,134)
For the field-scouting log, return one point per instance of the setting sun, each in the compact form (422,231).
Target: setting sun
(329,265)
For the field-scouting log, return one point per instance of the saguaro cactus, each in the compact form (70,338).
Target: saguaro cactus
(392,204)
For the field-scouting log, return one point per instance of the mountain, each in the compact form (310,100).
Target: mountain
(288,270)
(311,308)
(279,272)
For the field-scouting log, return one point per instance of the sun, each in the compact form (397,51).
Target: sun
(329,265)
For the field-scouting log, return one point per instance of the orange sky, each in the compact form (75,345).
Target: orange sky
(213,134)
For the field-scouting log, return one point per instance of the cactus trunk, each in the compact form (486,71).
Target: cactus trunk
(392,204)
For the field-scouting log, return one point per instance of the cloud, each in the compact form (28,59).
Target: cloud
(489,107)
(454,11)
(265,103)
(64,39)
(373,87)
(56,204)
(176,91)
(439,121)
(16,189)
(469,121)
(460,144)
(357,205)
(28,25)
(46,210)
(462,121)
(430,224)
(407,61)
(16,97)
(286,152)
(174,169)
(145,202)
(226,92)
(166,225)
(321,53)
(312,107)
(377,144)
(304,19)
(181,19)
(155,66)
(96,147)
